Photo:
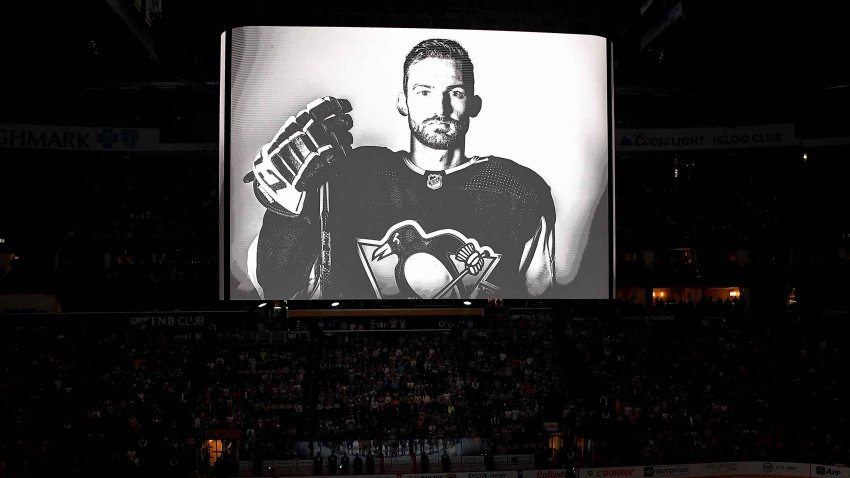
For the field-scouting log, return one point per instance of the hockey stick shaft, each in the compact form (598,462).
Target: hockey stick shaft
(324,213)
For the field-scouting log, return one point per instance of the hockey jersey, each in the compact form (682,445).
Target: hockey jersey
(482,229)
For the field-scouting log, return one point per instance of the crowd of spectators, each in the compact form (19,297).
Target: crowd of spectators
(142,398)
(719,389)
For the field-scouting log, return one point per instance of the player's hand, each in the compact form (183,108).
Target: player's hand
(302,155)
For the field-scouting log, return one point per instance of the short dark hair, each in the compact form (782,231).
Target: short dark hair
(442,49)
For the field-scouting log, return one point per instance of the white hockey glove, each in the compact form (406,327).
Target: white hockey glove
(302,154)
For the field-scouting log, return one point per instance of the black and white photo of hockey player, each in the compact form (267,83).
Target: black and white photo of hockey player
(346,217)
(431,223)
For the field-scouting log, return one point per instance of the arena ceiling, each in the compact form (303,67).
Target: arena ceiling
(791,53)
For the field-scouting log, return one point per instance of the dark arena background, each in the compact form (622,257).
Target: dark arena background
(719,353)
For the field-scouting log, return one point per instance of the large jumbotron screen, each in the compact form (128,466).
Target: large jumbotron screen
(388,163)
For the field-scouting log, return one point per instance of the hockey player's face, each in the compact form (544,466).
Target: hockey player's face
(438,102)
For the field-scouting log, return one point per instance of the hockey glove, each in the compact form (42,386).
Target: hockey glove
(302,155)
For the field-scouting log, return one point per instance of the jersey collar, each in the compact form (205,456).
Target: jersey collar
(416,169)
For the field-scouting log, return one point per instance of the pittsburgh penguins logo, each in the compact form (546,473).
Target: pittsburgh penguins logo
(410,263)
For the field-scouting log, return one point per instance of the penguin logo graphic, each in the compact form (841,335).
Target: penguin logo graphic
(410,263)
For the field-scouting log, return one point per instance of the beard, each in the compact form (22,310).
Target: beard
(435,135)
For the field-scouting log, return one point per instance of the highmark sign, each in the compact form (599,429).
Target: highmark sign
(77,138)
